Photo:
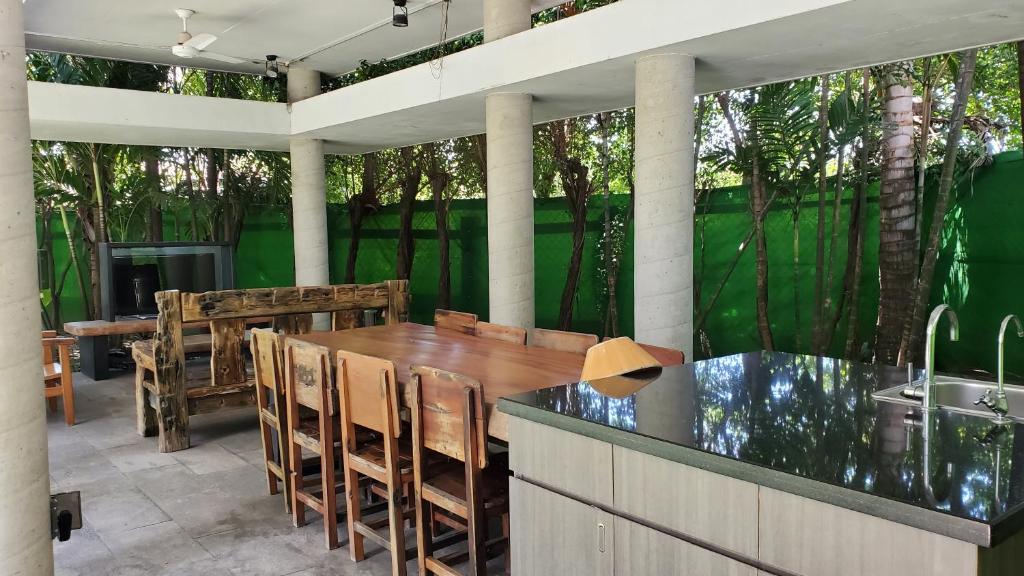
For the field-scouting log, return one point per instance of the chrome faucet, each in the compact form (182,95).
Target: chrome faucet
(928,402)
(998,404)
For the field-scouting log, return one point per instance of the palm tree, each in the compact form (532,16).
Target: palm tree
(897,257)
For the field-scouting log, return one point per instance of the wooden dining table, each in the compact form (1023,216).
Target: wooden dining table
(502,368)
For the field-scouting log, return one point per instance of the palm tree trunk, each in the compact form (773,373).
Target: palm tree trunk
(857,226)
(97,176)
(964,86)
(1020,79)
(73,256)
(897,258)
(156,215)
(797,319)
(757,205)
(819,275)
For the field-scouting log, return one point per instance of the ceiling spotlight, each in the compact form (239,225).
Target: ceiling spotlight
(272,66)
(400,16)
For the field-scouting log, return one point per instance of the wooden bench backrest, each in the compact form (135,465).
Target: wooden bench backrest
(563,341)
(308,375)
(447,409)
(498,332)
(459,321)
(291,308)
(368,393)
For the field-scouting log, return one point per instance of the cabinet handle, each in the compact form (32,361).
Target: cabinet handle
(600,537)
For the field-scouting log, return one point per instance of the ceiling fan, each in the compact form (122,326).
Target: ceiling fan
(190,46)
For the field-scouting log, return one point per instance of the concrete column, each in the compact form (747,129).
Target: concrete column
(663,247)
(509,182)
(510,208)
(309,197)
(25,545)
(505,17)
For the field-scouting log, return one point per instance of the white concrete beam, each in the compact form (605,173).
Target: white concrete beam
(105,115)
(586,63)
(25,542)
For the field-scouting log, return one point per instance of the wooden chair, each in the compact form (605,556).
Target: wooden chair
(499,332)
(268,363)
(166,395)
(57,380)
(310,389)
(368,399)
(563,341)
(459,321)
(461,495)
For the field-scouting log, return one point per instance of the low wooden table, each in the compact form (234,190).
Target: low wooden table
(92,339)
(503,368)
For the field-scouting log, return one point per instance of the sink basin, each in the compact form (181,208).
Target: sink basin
(959,395)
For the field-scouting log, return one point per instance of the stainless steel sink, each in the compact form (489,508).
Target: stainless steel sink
(958,395)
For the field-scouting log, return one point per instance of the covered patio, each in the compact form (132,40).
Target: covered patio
(178,477)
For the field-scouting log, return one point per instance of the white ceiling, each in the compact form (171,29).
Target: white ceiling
(332,36)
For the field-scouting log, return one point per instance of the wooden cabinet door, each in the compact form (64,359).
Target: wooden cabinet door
(555,535)
(641,551)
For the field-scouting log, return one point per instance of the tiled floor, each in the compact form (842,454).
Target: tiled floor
(203,511)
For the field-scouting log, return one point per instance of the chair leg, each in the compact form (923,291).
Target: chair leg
(355,514)
(396,524)
(298,508)
(424,528)
(330,498)
(51,404)
(145,416)
(67,391)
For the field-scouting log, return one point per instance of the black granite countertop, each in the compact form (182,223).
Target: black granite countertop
(809,426)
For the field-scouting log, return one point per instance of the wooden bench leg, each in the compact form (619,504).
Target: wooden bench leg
(145,415)
(172,423)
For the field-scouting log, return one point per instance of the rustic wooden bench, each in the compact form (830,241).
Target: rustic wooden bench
(168,391)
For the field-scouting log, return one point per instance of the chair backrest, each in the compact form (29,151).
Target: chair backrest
(267,359)
(48,348)
(368,393)
(448,413)
(498,332)
(308,375)
(460,321)
(664,356)
(563,341)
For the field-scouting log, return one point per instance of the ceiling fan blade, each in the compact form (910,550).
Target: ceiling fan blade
(222,58)
(201,41)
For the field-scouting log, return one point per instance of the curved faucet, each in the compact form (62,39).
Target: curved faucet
(999,404)
(928,402)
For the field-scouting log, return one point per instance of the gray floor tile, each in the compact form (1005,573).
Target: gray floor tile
(120,510)
(209,457)
(135,457)
(158,547)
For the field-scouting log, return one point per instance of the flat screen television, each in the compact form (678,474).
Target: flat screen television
(132,273)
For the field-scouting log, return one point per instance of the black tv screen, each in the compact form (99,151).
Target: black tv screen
(133,273)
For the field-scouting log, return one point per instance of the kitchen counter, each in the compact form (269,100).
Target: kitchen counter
(808,426)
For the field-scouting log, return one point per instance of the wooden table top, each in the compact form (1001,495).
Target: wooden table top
(502,368)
